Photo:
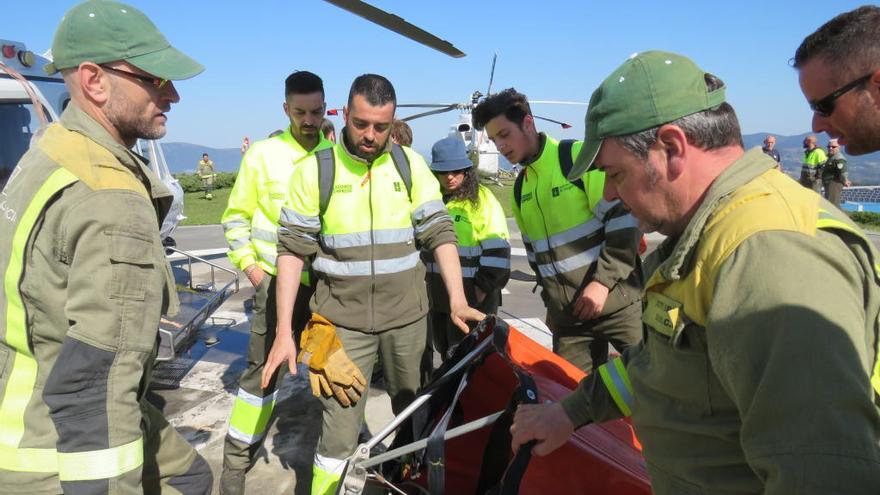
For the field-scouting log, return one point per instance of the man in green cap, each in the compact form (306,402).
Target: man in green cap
(85,274)
(740,385)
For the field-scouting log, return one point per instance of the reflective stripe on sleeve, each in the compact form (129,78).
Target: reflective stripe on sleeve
(292,217)
(616,380)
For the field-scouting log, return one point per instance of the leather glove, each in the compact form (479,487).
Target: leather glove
(331,371)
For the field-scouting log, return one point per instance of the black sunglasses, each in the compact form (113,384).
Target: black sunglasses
(156,82)
(824,107)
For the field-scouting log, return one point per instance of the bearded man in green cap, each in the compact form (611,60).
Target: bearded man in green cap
(741,385)
(85,274)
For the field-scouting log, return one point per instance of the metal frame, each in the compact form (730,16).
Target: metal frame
(214,301)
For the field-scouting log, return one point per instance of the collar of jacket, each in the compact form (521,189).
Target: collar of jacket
(353,156)
(750,165)
(76,120)
(542,147)
(287,136)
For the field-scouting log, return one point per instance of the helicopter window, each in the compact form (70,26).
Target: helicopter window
(18,123)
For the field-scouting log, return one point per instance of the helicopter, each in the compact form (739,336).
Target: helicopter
(480,148)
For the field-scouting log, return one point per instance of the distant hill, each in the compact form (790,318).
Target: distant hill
(184,157)
(863,169)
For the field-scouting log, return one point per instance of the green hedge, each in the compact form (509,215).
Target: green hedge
(865,218)
(192,182)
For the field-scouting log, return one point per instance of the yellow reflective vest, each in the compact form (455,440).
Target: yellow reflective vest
(250,221)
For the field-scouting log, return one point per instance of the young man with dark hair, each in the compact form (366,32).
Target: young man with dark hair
(358,211)
(839,73)
(583,249)
(740,386)
(250,223)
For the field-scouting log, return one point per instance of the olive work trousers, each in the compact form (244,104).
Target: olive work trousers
(400,350)
(239,454)
(585,345)
(171,465)
(833,191)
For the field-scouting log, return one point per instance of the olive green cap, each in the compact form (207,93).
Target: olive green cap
(102,31)
(648,90)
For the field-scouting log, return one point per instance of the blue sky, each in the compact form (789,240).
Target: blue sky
(558,50)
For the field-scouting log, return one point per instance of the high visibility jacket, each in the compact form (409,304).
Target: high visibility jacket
(743,384)
(369,274)
(206,171)
(483,250)
(85,283)
(813,160)
(572,236)
(250,221)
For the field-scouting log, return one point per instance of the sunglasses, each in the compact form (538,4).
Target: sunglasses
(156,82)
(824,107)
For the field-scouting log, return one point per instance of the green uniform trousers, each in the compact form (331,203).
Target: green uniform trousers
(833,191)
(586,345)
(253,406)
(171,465)
(400,350)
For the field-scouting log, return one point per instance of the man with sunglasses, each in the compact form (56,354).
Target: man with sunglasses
(86,278)
(834,177)
(839,74)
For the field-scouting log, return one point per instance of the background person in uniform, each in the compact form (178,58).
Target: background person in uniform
(205,171)
(770,149)
(811,168)
(483,246)
(245,144)
(839,73)
(834,177)
(739,386)
(401,133)
(79,332)
(582,248)
(366,263)
(251,224)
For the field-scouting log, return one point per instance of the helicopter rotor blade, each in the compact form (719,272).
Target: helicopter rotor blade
(426,105)
(563,124)
(491,76)
(430,112)
(398,25)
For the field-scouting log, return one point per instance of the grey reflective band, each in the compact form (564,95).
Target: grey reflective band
(359,239)
(530,255)
(470,251)
(494,243)
(422,227)
(234,224)
(432,267)
(264,235)
(427,209)
(469,271)
(239,243)
(363,268)
(622,222)
(616,381)
(571,263)
(495,262)
(292,217)
(254,400)
(603,207)
(566,236)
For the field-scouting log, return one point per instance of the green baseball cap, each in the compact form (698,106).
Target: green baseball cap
(102,31)
(648,90)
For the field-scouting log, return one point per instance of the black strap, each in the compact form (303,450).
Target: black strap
(566,163)
(401,162)
(517,187)
(326,177)
(436,449)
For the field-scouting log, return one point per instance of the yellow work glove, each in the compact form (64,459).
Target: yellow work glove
(331,372)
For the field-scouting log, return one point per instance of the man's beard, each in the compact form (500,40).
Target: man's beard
(369,157)
(128,122)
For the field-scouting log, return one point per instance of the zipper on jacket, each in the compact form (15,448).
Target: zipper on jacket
(372,251)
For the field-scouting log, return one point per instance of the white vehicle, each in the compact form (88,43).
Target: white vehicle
(30,100)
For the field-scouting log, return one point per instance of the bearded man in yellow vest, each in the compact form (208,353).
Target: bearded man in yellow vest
(583,249)
(741,384)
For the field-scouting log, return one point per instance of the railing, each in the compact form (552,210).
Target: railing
(172,342)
